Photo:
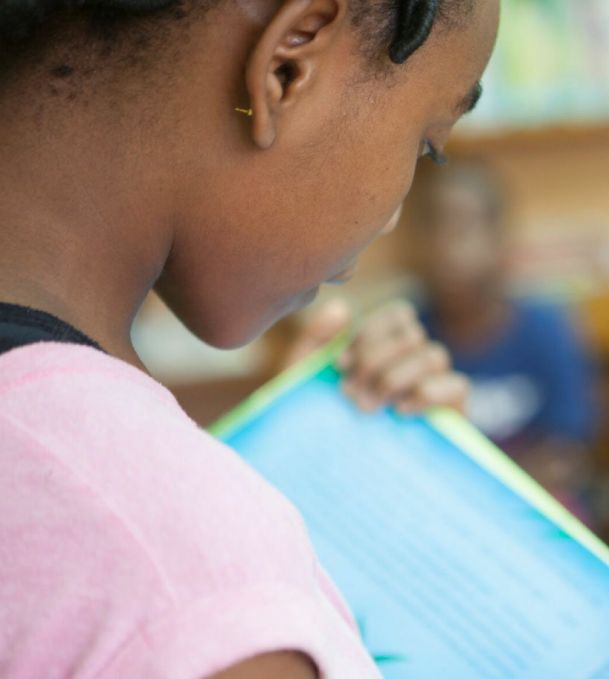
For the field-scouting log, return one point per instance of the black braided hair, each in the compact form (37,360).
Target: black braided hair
(409,22)
(20,18)
(415,19)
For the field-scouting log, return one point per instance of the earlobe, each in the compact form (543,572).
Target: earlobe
(286,58)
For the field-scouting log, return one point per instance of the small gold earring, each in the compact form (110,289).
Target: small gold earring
(246,111)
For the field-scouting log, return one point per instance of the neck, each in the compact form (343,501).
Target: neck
(468,323)
(68,244)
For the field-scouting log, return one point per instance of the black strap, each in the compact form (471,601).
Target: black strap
(20,325)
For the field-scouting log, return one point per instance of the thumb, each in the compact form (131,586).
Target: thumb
(325,323)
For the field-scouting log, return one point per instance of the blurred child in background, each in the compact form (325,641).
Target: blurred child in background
(530,377)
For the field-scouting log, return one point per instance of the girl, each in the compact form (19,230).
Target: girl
(234,154)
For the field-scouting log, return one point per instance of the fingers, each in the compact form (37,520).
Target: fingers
(330,319)
(407,380)
(447,390)
(369,360)
(392,321)
(412,371)
(393,361)
(392,332)
(390,361)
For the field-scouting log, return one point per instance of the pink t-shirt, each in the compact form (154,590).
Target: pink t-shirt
(134,545)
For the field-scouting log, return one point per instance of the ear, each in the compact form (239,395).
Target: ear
(286,59)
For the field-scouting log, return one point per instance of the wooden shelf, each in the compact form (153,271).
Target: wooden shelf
(555,136)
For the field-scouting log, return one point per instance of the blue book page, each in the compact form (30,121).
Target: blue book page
(448,571)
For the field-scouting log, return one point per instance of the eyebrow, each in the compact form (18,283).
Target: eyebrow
(468,103)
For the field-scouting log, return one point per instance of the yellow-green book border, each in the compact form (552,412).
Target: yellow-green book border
(452,425)
(264,397)
(487,455)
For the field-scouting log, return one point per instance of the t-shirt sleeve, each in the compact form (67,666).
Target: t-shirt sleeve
(148,570)
(214,633)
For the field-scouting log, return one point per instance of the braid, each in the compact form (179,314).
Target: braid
(398,28)
(404,25)
(19,19)
(415,19)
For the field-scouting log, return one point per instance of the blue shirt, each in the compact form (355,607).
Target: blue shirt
(532,381)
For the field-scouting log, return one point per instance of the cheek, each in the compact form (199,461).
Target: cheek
(357,198)
(331,210)
(260,256)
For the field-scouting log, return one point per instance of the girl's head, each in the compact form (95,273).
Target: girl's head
(238,218)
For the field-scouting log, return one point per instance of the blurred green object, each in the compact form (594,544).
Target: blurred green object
(551,65)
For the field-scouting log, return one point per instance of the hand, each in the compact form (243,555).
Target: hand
(391,360)
(322,327)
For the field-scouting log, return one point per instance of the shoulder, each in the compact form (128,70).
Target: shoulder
(124,436)
(168,530)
